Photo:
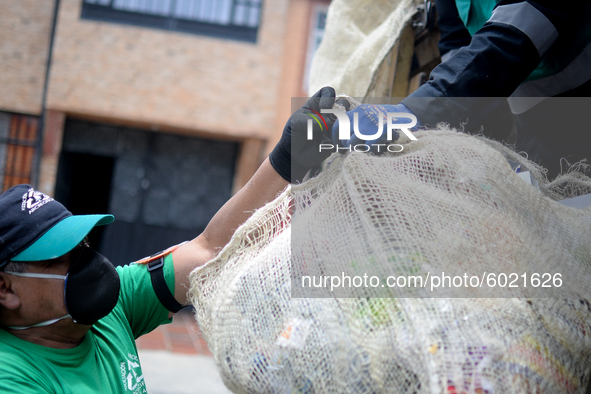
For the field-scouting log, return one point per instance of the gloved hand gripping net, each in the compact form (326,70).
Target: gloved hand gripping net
(448,203)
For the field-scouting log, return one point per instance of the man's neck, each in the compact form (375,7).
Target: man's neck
(61,335)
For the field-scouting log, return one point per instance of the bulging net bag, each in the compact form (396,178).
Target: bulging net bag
(448,205)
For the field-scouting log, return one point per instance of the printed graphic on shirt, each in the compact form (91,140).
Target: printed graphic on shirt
(33,200)
(131,375)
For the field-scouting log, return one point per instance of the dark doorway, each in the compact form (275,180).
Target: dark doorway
(162,188)
(84,186)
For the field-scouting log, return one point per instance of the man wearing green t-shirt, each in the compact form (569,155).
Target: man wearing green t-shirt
(69,319)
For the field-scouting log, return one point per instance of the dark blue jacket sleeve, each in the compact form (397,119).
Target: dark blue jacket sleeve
(454,34)
(498,58)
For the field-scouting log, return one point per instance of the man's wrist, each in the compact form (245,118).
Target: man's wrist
(280,159)
(282,162)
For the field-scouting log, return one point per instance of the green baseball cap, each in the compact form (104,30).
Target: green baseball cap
(62,237)
(35,227)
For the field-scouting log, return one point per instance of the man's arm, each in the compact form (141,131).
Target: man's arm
(454,34)
(262,188)
(293,156)
(499,57)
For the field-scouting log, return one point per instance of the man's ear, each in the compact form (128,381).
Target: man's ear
(8,298)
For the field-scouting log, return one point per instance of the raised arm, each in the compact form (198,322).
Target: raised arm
(522,41)
(262,188)
(289,162)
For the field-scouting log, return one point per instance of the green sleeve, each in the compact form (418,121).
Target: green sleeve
(138,300)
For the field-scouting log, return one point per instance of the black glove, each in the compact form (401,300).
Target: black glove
(294,154)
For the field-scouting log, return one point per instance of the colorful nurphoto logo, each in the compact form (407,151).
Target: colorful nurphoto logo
(315,117)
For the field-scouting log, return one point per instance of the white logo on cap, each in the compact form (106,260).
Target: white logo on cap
(33,200)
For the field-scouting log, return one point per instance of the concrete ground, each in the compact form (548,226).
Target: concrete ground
(175,359)
(175,373)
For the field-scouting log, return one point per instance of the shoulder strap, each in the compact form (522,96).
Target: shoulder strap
(155,264)
(156,269)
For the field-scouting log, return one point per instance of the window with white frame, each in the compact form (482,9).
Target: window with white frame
(233,19)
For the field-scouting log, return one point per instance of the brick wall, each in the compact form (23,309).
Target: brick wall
(197,83)
(25,27)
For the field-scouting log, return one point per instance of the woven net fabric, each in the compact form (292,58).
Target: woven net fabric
(449,202)
(358,36)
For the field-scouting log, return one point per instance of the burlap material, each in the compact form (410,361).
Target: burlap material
(358,35)
(451,203)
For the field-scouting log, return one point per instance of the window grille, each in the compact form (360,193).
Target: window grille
(233,19)
(18,149)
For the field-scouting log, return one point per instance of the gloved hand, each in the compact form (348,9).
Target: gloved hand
(294,154)
(368,123)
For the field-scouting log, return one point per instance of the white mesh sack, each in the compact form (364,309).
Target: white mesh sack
(358,35)
(449,203)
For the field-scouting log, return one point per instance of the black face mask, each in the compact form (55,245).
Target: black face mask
(91,287)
